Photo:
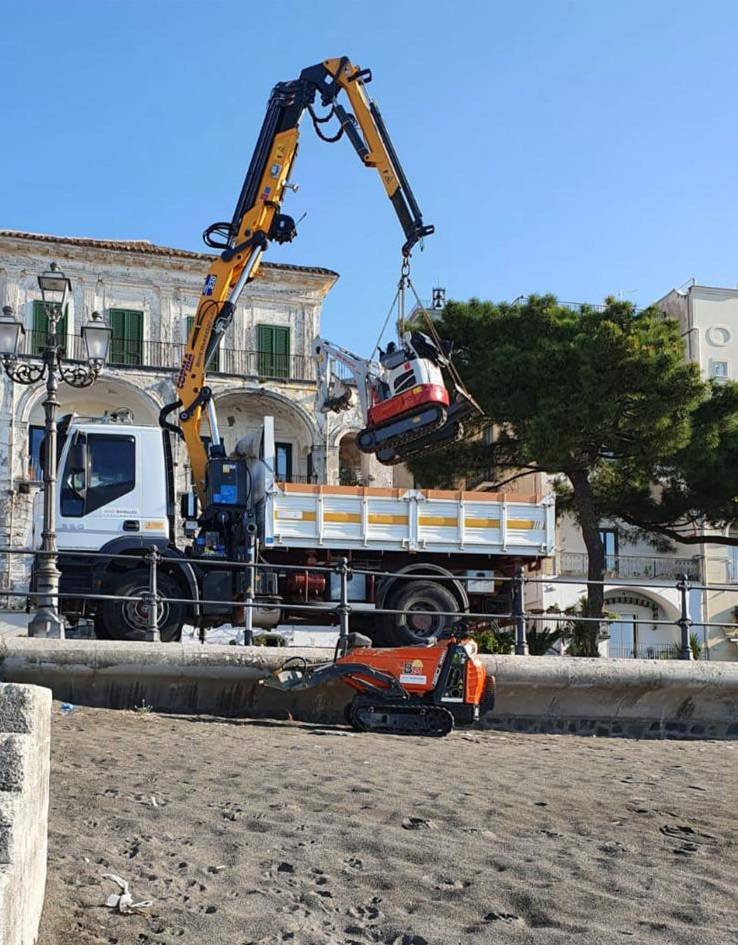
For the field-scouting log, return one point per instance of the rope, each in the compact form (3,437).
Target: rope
(386,321)
(455,376)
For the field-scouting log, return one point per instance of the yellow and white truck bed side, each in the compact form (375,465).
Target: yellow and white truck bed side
(453,522)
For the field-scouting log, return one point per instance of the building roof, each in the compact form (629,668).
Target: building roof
(149,249)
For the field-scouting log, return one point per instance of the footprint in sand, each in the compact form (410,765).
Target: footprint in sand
(417,823)
(369,912)
(691,841)
(508,917)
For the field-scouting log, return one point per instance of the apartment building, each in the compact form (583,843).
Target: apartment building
(148,294)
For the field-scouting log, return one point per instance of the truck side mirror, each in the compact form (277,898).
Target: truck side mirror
(77,458)
(188,505)
(75,470)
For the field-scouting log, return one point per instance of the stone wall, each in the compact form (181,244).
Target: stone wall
(25,713)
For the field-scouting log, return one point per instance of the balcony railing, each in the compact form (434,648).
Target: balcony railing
(655,651)
(167,356)
(632,567)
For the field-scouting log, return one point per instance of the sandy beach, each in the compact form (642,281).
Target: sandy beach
(246,832)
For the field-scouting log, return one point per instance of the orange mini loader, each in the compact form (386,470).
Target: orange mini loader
(412,690)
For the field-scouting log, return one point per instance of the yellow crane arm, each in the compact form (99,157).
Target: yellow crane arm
(258,220)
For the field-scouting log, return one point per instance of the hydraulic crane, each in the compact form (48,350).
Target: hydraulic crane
(258,220)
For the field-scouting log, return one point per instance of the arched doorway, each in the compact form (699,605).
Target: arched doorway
(241,413)
(638,630)
(349,461)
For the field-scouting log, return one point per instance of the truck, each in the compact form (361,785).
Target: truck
(423,553)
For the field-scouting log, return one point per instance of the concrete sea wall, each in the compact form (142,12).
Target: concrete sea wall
(641,698)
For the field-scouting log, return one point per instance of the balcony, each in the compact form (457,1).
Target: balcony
(632,567)
(166,356)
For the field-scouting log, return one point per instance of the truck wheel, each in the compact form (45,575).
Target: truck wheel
(409,627)
(128,619)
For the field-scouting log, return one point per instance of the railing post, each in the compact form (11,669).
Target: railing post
(248,615)
(152,598)
(343,608)
(684,623)
(518,612)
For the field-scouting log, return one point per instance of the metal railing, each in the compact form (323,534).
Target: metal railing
(654,651)
(632,567)
(166,355)
(517,618)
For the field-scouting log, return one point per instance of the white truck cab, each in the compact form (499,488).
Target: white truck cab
(113,483)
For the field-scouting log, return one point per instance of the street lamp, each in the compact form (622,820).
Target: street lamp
(55,288)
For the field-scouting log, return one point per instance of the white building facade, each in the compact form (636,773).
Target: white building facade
(148,294)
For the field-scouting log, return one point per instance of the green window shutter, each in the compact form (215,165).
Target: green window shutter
(126,345)
(39,332)
(273,348)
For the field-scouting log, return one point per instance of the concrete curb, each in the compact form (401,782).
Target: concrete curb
(618,697)
(25,717)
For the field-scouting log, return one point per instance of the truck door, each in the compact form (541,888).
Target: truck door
(99,490)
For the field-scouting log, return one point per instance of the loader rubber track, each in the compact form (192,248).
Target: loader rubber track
(366,715)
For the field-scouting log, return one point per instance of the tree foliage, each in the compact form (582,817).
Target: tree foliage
(603,398)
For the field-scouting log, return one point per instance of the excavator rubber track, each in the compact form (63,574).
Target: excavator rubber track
(367,715)
(405,429)
(450,432)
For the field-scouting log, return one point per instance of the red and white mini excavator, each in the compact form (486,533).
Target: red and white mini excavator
(403,396)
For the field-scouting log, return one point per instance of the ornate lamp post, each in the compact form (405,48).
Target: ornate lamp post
(55,288)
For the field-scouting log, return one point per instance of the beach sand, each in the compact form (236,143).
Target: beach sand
(246,832)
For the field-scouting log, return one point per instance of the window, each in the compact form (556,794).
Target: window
(40,330)
(623,642)
(283,462)
(215,363)
(126,345)
(733,564)
(273,351)
(35,460)
(100,468)
(609,538)
(610,541)
(404,381)
(719,369)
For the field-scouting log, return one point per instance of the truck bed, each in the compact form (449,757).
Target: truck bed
(357,517)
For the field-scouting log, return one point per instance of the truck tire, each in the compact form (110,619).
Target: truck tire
(127,619)
(404,629)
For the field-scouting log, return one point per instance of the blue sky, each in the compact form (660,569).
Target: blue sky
(581,148)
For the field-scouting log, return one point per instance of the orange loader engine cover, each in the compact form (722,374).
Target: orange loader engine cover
(418,668)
